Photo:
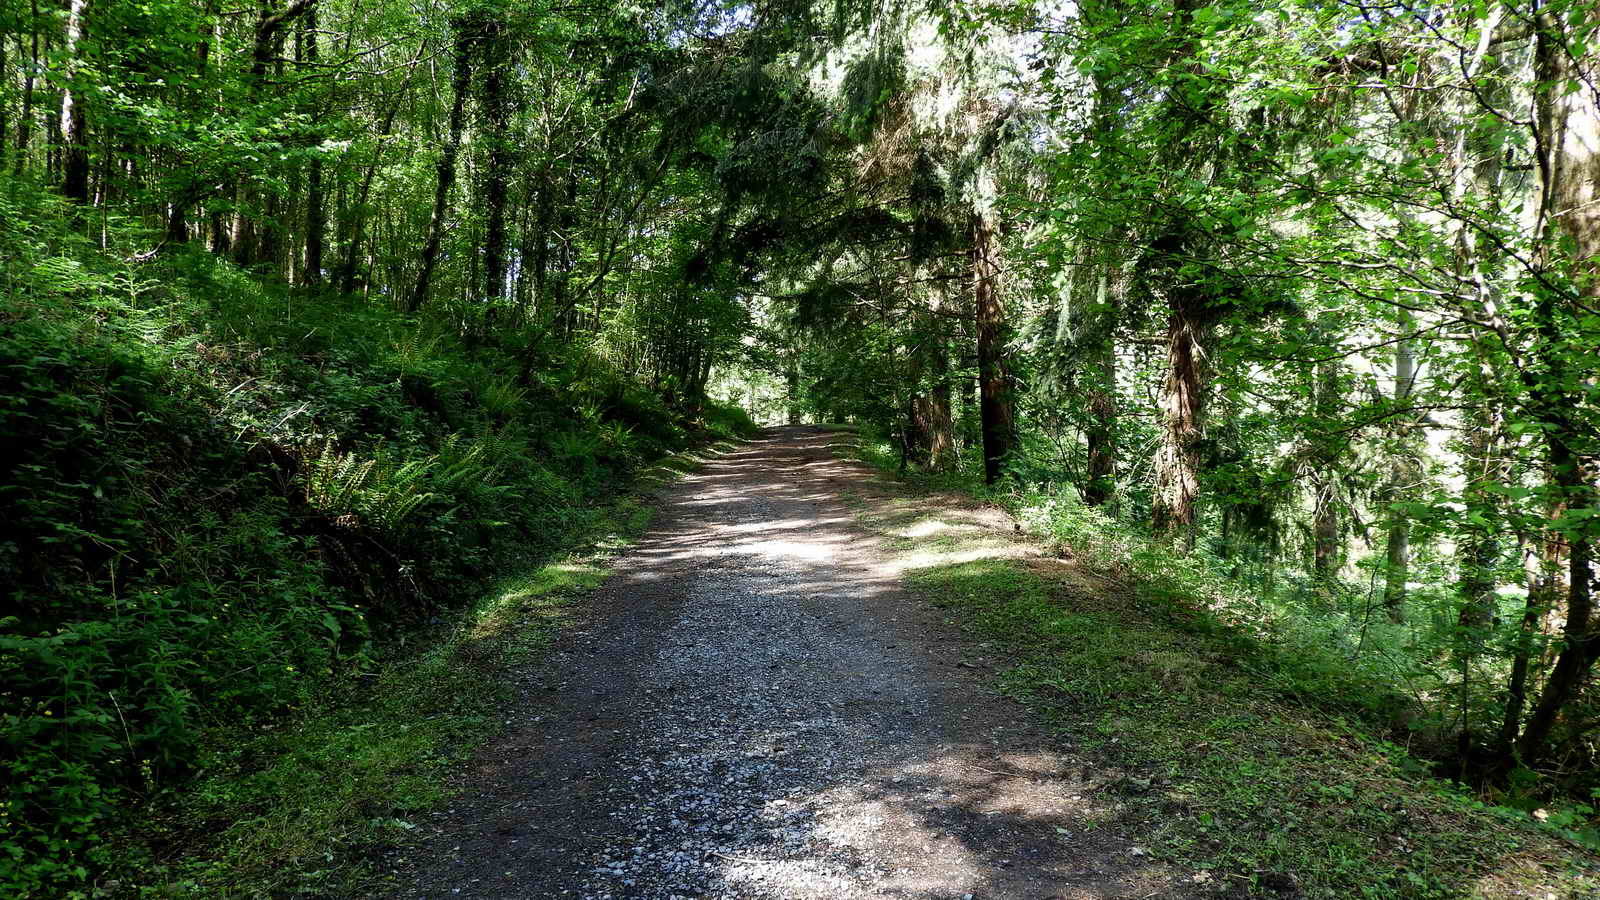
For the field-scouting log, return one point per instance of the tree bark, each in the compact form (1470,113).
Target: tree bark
(1579,646)
(791,386)
(497,113)
(998,424)
(257,242)
(357,236)
(941,424)
(5,79)
(1177,463)
(74,139)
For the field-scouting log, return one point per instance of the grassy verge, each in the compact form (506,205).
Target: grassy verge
(1233,754)
(308,806)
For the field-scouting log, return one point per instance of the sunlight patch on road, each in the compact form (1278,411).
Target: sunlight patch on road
(774,525)
(924,528)
(809,551)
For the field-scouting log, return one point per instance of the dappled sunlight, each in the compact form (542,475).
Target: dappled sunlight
(959,815)
(522,601)
(924,528)
(966,552)
(782,525)
(787,550)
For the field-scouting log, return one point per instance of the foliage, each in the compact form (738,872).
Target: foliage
(222,493)
(319,315)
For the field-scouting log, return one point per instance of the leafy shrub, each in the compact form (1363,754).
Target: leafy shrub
(155,582)
(728,422)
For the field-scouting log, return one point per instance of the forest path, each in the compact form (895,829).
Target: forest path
(754,707)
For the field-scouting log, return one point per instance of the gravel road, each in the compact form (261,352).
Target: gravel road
(754,708)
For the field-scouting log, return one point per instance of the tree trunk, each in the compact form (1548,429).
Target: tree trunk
(791,386)
(994,381)
(1177,462)
(1543,585)
(1101,433)
(357,237)
(1570,178)
(1579,647)
(446,172)
(1478,549)
(1325,524)
(941,424)
(311,274)
(497,113)
(5,107)
(1397,550)
(25,123)
(543,217)
(74,139)
(257,242)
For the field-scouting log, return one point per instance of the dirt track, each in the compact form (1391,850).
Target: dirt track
(754,707)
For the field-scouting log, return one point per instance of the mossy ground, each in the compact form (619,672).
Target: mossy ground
(1218,762)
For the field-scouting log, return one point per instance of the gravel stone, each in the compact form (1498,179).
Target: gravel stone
(753,707)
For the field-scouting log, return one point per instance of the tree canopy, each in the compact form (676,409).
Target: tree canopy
(1305,292)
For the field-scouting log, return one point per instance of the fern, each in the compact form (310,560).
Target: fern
(395,492)
(501,397)
(414,347)
(376,492)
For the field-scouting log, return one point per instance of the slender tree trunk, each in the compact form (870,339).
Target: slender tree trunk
(791,384)
(1543,587)
(25,122)
(1570,186)
(1325,524)
(75,140)
(5,84)
(1397,549)
(178,228)
(1478,549)
(1100,435)
(357,237)
(446,171)
(497,113)
(541,247)
(254,242)
(311,275)
(1579,645)
(521,287)
(941,424)
(994,381)
(1477,553)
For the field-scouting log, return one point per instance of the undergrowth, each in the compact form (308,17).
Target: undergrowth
(322,803)
(221,497)
(1239,748)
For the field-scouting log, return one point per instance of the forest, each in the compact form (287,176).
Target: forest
(320,316)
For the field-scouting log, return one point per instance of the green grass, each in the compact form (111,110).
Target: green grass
(308,806)
(1229,754)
